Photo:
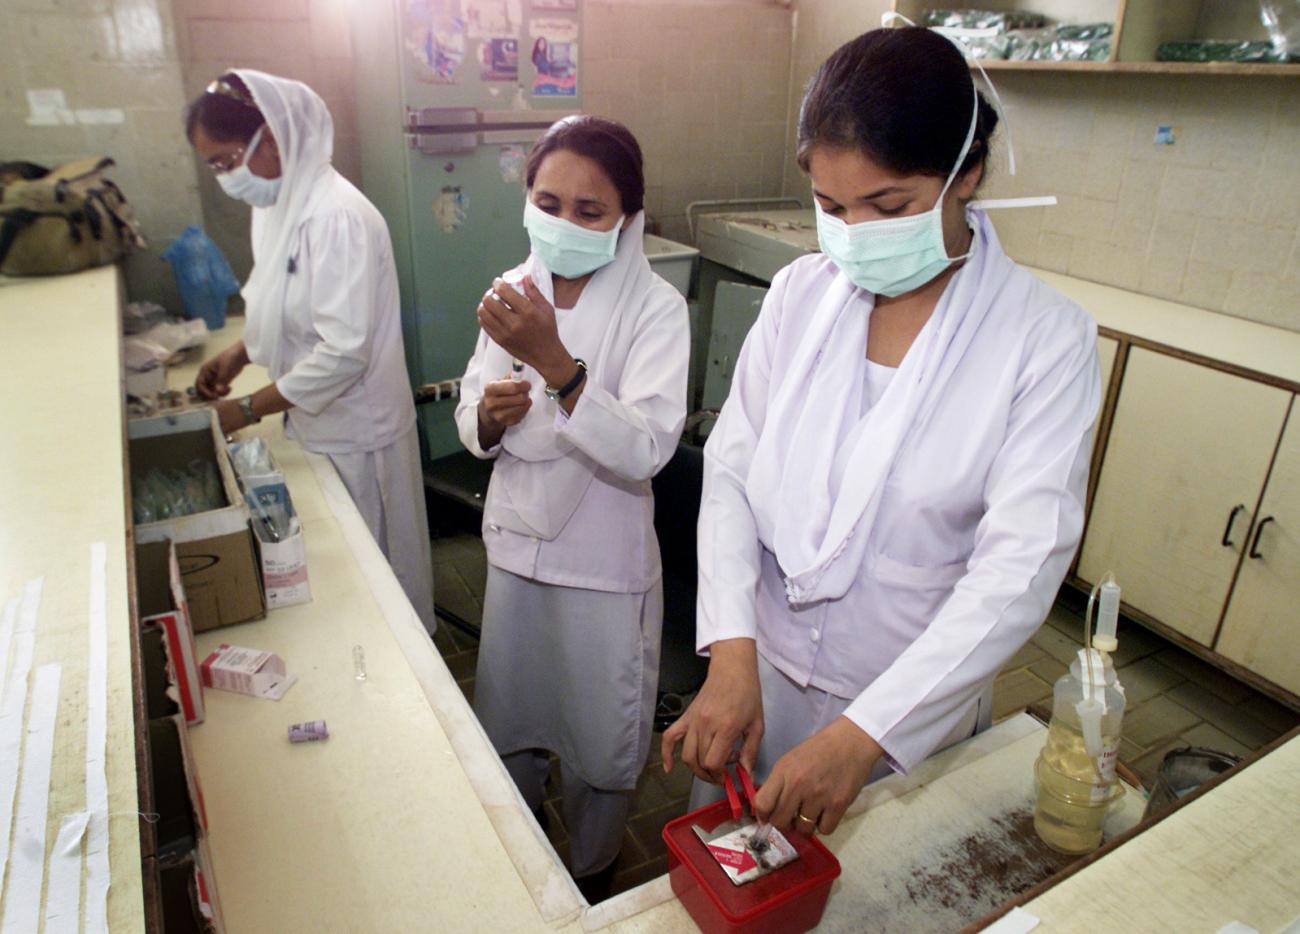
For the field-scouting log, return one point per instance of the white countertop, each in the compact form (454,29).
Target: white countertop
(62,483)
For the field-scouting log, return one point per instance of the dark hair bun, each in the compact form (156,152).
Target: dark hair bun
(903,97)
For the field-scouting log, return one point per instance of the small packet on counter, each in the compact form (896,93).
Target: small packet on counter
(310,732)
(744,862)
(247,671)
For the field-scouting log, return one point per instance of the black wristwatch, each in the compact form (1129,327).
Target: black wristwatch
(555,395)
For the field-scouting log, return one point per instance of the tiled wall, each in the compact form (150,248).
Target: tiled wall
(109,56)
(308,40)
(1211,221)
(703,85)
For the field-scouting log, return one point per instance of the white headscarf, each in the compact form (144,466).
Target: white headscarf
(818,470)
(304,132)
(600,330)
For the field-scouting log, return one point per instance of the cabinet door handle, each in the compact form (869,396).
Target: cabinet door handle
(1259,530)
(1232,520)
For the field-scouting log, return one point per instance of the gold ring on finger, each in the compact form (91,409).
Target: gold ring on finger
(809,820)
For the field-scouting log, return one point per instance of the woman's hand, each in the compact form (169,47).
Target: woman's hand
(728,708)
(523,324)
(505,402)
(814,783)
(216,375)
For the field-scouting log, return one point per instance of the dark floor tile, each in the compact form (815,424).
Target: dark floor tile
(452,594)
(640,875)
(462,665)
(1066,621)
(1049,669)
(463,641)
(442,641)
(1135,643)
(1129,751)
(1016,690)
(1028,654)
(1270,713)
(1219,683)
(1144,679)
(648,827)
(1158,719)
(474,572)
(652,792)
(1232,720)
(1056,644)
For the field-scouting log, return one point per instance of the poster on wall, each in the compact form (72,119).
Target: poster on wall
(487,18)
(557,68)
(555,57)
(435,38)
(499,59)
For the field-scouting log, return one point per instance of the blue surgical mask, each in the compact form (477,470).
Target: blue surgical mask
(565,248)
(893,256)
(242,184)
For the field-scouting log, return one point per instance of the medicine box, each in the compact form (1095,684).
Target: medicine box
(215,549)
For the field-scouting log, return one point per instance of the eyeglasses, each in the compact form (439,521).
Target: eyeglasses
(220,164)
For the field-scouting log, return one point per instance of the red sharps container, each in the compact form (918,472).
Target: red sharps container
(789,900)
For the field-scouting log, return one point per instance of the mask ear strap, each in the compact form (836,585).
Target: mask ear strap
(1002,112)
(965,148)
(253,143)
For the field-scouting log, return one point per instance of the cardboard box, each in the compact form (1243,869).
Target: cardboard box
(160,597)
(218,560)
(182,862)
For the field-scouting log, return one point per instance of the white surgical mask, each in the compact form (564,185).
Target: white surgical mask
(568,249)
(893,256)
(242,184)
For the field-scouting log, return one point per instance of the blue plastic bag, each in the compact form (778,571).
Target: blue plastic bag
(203,276)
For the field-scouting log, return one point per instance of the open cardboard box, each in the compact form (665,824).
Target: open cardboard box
(218,558)
(165,615)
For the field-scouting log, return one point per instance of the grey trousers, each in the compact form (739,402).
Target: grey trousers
(594,818)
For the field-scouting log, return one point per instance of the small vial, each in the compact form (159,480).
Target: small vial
(312,731)
(358,663)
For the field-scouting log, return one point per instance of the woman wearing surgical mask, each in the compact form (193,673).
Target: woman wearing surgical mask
(322,309)
(895,487)
(578,388)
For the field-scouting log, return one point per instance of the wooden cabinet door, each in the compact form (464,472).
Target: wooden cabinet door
(1262,628)
(1188,445)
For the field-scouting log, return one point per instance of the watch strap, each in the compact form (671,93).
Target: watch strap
(564,391)
(246,406)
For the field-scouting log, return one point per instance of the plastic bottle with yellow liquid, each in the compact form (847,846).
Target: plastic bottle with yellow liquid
(1076,769)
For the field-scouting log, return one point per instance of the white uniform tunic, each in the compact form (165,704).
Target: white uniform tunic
(974,518)
(324,318)
(570,516)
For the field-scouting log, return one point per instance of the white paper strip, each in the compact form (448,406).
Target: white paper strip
(11,713)
(22,900)
(1016,921)
(97,868)
(7,620)
(63,891)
